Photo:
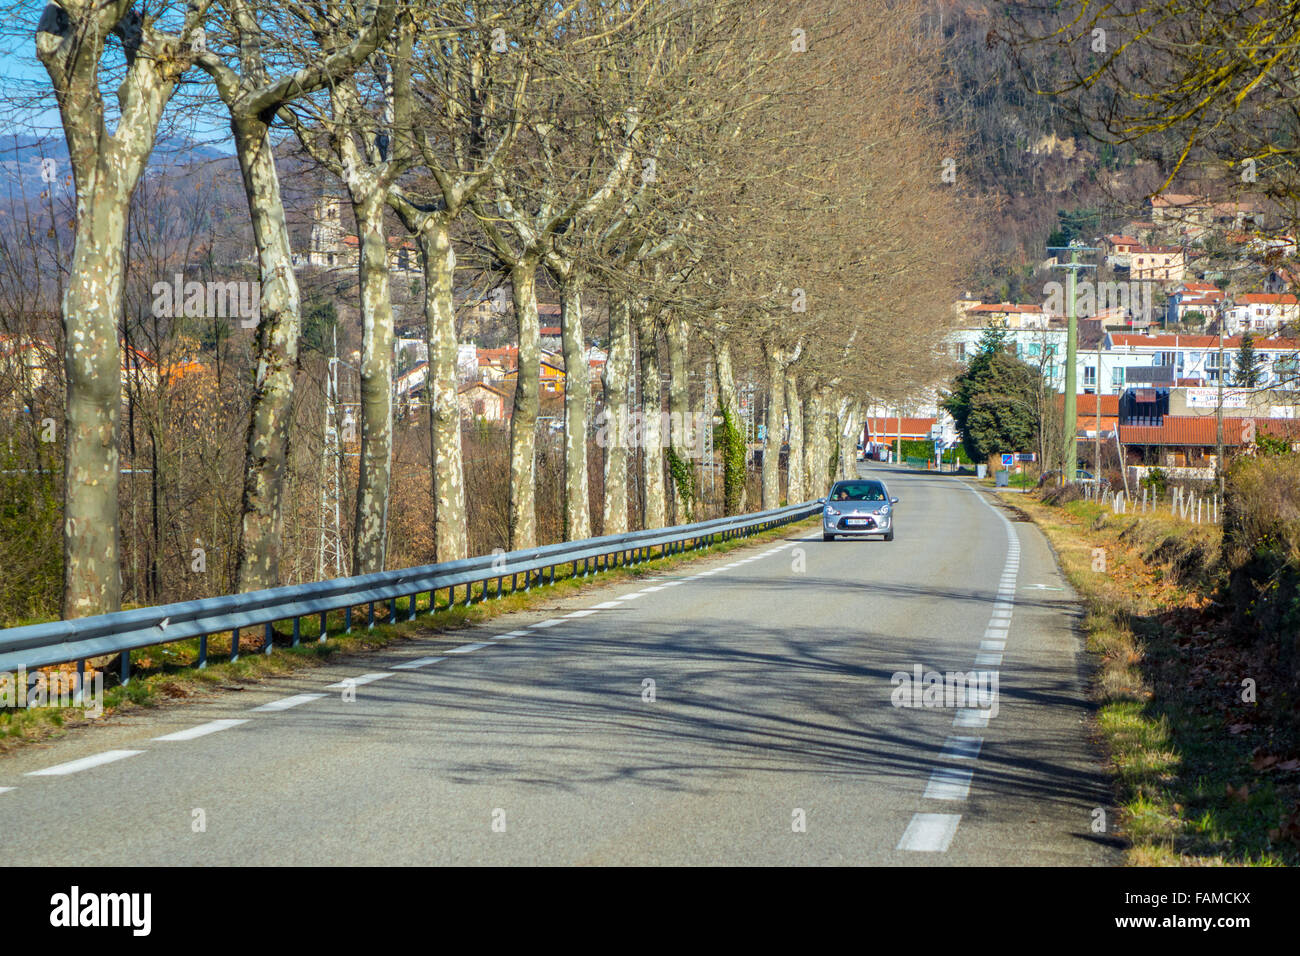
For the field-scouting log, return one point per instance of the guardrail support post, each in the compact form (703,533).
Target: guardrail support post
(81,680)
(267,637)
(297,632)
(234,644)
(370,616)
(124,667)
(324,625)
(347,619)
(392,610)
(203,657)
(410,608)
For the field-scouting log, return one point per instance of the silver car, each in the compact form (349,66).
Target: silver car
(857,508)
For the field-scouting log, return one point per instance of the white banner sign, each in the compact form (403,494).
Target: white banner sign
(1209,398)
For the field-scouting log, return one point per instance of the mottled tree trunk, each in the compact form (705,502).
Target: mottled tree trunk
(577,393)
(816,450)
(651,430)
(734,452)
(683,441)
(523,422)
(376,460)
(70,42)
(613,431)
(451,536)
(796,484)
(844,444)
(267,448)
(92,579)
(775,430)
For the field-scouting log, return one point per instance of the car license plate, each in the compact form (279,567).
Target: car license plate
(855,522)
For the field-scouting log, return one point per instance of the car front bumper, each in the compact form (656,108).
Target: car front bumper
(835,524)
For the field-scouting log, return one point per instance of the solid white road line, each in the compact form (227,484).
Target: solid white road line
(202,730)
(358,681)
(85,763)
(469,648)
(930,832)
(284,703)
(418,662)
(949,783)
(962,748)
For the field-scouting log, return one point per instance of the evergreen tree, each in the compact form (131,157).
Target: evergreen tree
(993,400)
(1246,372)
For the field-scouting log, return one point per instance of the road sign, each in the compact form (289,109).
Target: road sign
(1007,460)
(1027,456)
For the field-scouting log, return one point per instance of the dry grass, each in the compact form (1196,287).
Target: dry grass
(1184,780)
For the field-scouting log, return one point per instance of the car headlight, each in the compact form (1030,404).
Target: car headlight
(885,510)
(831,511)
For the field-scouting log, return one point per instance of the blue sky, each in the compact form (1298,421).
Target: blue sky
(27,105)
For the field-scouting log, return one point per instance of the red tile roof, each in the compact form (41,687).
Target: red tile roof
(1265,298)
(882,429)
(1123,339)
(1200,430)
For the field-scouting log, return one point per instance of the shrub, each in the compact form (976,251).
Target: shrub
(1261,550)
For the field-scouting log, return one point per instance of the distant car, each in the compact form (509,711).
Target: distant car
(858,508)
(1082,476)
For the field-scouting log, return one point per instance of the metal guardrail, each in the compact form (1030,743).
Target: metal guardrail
(58,642)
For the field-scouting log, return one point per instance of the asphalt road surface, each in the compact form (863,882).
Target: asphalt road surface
(740,710)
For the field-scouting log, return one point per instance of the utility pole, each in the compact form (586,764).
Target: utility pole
(1097,434)
(1218,405)
(1070,452)
(329,555)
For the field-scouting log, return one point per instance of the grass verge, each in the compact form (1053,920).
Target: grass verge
(1201,775)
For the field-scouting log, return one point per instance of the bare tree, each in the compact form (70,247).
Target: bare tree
(261,35)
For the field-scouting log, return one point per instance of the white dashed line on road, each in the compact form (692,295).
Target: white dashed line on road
(930,832)
(962,748)
(970,717)
(358,681)
(85,763)
(284,703)
(949,783)
(988,659)
(202,730)
(418,662)
(470,648)
(606,605)
(585,612)
(549,623)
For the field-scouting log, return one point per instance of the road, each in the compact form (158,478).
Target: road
(768,735)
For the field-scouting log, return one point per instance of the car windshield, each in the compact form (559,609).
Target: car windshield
(859,491)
